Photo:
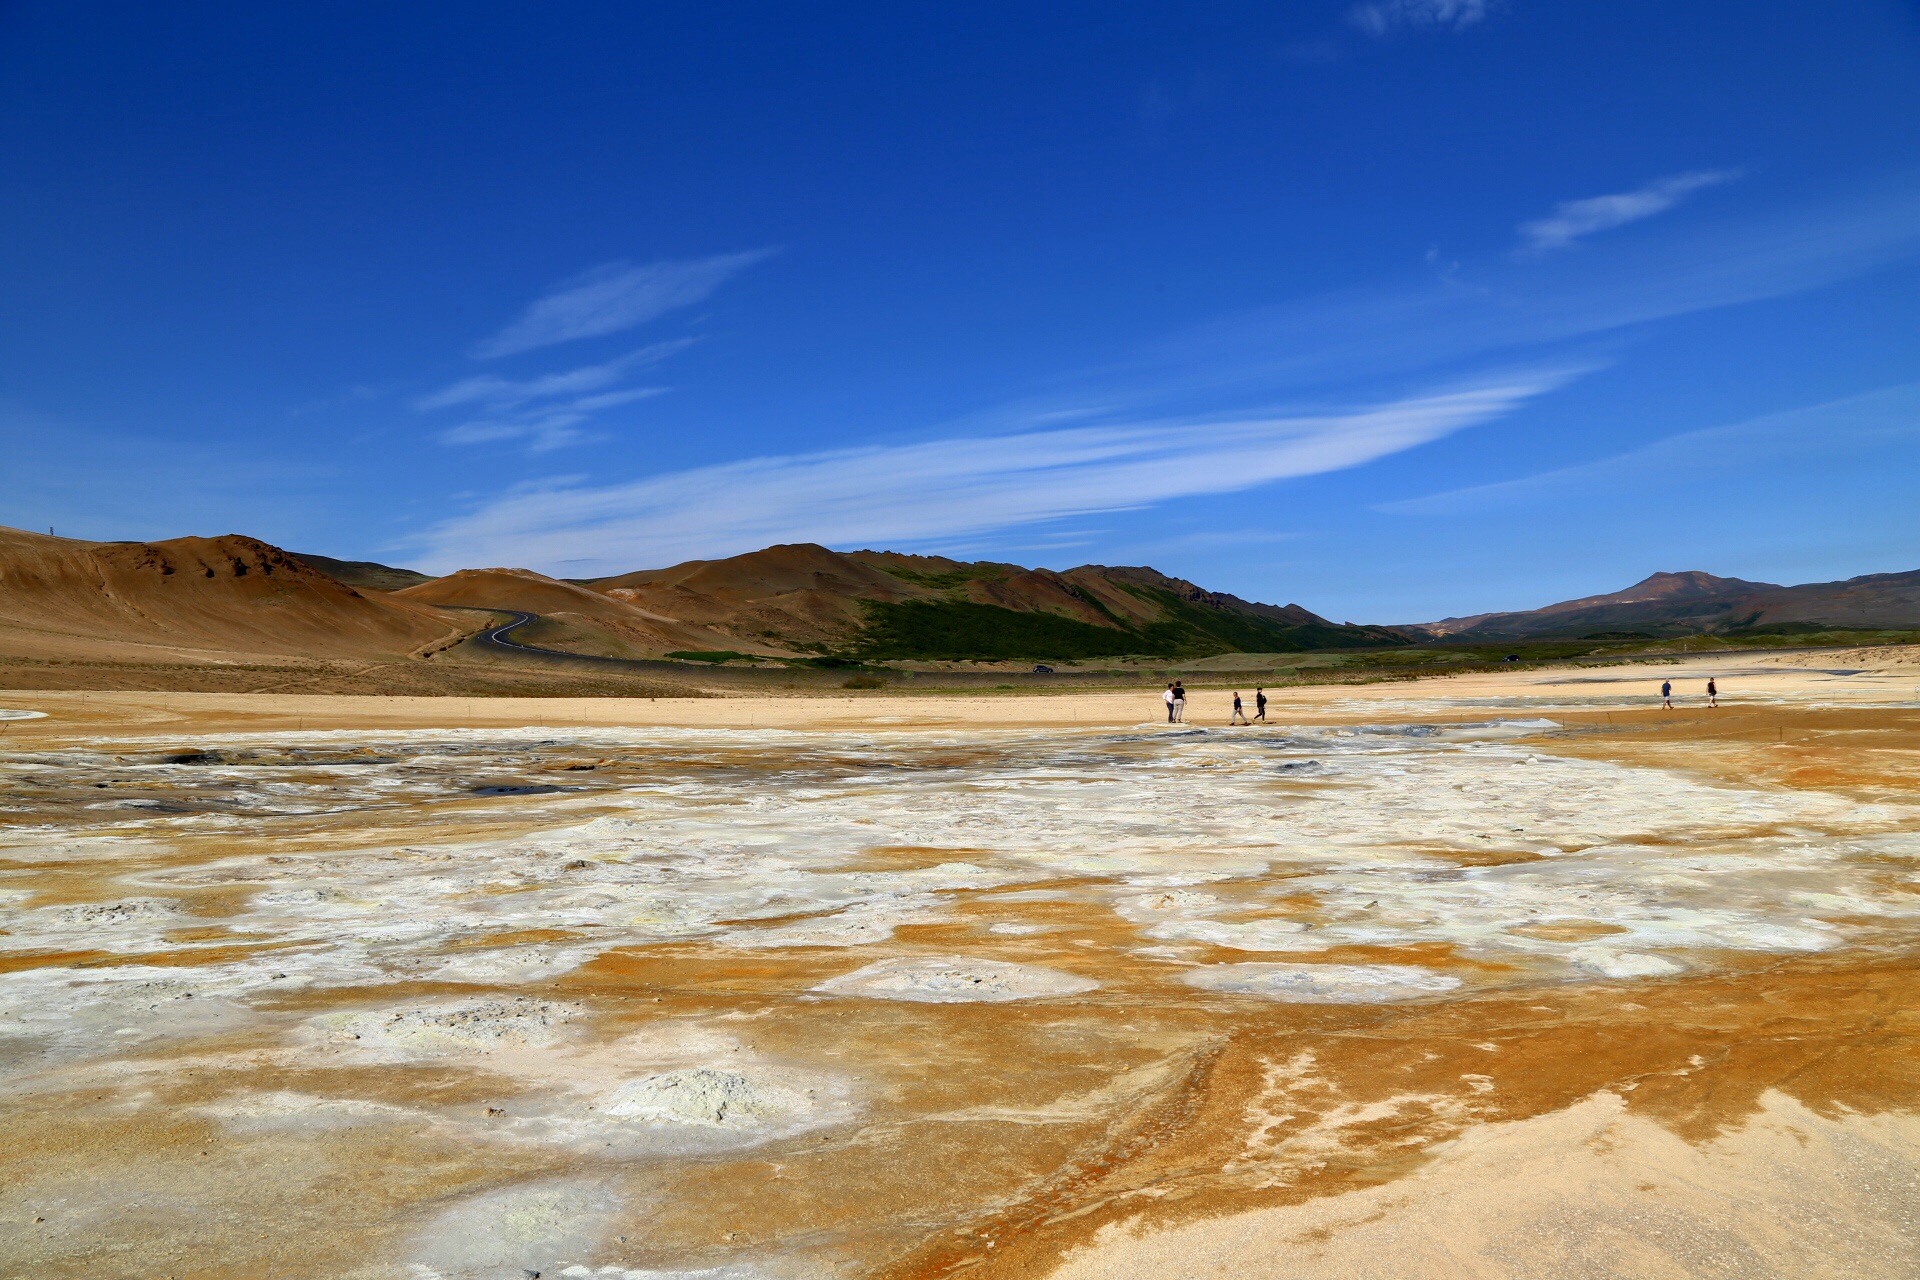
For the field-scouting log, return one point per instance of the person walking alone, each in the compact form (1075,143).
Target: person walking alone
(1239,712)
(1167,697)
(1179,703)
(1260,705)
(1713,692)
(1666,694)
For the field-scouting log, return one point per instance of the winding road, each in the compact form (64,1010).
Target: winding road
(495,639)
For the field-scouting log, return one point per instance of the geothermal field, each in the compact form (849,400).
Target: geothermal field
(1462,977)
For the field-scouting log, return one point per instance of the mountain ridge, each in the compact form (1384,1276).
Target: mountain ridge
(801,600)
(1695,602)
(198,598)
(805,598)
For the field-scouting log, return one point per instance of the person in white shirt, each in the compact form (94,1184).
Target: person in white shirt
(1167,698)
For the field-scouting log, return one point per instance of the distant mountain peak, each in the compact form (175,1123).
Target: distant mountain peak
(1687,582)
(1692,601)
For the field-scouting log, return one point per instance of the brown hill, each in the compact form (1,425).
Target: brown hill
(803,597)
(572,617)
(63,596)
(364,574)
(1693,602)
(796,593)
(1889,600)
(229,599)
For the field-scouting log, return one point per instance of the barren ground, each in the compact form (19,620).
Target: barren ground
(1508,975)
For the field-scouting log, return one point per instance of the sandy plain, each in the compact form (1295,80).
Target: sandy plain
(1505,975)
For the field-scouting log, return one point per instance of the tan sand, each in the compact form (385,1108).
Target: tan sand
(1632,688)
(1589,1191)
(1876,657)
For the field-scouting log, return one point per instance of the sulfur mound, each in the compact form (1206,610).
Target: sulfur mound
(708,1098)
(953,980)
(437,1030)
(1322,983)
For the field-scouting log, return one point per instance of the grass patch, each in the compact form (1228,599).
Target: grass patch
(864,682)
(1222,631)
(715,656)
(952,578)
(959,630)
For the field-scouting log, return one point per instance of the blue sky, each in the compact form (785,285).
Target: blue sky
(1397,309)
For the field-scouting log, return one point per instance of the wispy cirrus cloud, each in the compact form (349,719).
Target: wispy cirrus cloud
(491,390)
(1855,422)
(911,493)
(1171,421)
(545,429)
(1383,17)
(1573,219)
(1491,307)
(615,296)
(550,411)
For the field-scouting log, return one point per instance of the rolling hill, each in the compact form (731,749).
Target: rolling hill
(233,599)
(363,574)
(221,599)
(571,617)
(1691,603)
(231,594)
(802,598)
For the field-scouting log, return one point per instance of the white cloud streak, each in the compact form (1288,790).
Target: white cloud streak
(1573,219)
(1497,307)
(549,411)
(1866,420)
(615,296)
(1384,17)
(903,494)
(547,428)
(500,392)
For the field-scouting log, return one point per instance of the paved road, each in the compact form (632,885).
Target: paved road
(496,638)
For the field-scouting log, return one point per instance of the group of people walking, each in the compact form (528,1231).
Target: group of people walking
(1666,693)
(1175,696)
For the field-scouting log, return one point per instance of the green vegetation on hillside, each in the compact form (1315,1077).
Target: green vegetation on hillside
(1225,632)
(709,655)
(952,578)
(958,630)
